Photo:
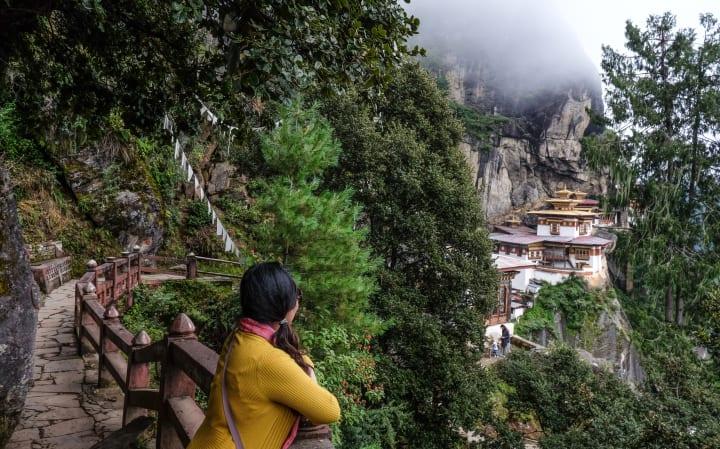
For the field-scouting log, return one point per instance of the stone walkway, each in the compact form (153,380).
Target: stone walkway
(64,409)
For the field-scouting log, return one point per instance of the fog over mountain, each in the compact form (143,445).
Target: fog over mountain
(518,48)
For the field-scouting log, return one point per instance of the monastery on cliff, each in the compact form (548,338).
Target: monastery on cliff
(562,245)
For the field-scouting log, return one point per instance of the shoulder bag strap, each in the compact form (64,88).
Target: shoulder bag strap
(226,404)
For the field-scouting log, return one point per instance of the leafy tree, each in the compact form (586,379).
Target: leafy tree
(277,47)
(313,232)
(575,406)
(437,280)
(579,406)
(86,57)
(664,156)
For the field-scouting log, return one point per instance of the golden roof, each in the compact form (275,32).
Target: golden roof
(564,213)
(563,193)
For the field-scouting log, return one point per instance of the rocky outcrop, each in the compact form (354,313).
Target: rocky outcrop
(220,175)
(19,302)
(539,148)
(605,343)
(116,194)
(614,345)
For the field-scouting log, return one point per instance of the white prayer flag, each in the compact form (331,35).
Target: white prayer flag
(177,149)
(219,229)
(189,172)
(228,244)
(210,209)
(214,217)
(183,160)
(202,193)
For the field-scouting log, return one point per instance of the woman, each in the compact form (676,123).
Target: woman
(268,383)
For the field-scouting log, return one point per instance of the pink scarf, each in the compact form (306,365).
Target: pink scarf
(268,333)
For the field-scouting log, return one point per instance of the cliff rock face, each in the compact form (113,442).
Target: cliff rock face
(116,194)
(605,343)
(19,301)
(538,150)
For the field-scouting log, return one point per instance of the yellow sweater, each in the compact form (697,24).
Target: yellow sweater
(264,386)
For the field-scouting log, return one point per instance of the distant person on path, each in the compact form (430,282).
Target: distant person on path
(495,350)
(505,339)
(263,382)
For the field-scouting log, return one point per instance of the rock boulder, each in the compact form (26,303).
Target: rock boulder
(19,302)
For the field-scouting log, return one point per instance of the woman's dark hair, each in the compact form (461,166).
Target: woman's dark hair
(267,293)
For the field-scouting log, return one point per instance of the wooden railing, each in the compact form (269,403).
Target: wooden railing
(185,364)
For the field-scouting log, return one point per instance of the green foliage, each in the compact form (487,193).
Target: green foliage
(426,223)
(212,308)
(197,216)
(347,368)
(482,128)
(161,166)
(708,333)
(574,406)
(12,145)
(537,319)
(579,305)
(313,232)
(578,407)
(278,47)
(122,65)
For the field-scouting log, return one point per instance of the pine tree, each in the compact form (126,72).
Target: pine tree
(665,156)
(315,233)
(310,230)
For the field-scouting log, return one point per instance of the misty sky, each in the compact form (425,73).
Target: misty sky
(603,22)
(568,26)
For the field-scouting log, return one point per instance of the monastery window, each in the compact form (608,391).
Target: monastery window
(554,228)
(584,229)
(535,254)
(582,253)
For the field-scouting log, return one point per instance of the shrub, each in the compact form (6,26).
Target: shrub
(213,309)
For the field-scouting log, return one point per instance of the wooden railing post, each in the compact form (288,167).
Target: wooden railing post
(89,294)
(127,286)
(111,276)
(110,318)
(138,376)
(174,383)
(191,264)
(136,251)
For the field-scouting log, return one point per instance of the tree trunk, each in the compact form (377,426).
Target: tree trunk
(679,309)
(629,278)
(669,307)
(19,300)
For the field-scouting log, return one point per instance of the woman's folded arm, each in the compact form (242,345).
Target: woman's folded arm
(285,382)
